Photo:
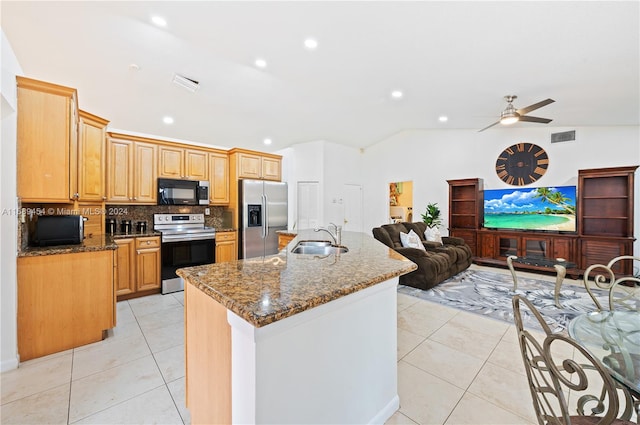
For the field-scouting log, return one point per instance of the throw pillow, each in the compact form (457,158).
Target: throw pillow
(411,240)
(433,235)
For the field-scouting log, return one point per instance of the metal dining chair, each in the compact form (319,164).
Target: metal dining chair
(562,385)
(624,292)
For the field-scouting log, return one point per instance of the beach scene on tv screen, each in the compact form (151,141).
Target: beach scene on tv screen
(541,208)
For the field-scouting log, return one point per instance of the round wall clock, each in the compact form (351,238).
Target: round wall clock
(522,164)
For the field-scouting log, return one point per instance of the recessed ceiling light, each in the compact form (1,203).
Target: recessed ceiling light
(311,43)
(397,94)
(167,120)
(159,21)
(267,141)
(260,63)
(443,118)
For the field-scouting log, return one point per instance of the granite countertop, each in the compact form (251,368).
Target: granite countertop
(267,289)
(93,243)
(147,234)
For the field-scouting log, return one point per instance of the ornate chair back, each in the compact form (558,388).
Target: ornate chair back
(563,385)
(624,292)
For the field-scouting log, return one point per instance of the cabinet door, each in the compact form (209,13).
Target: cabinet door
(535,247)
(119,176)
(44,131)
(226,247)
(148,269)
(271,169)
(126,270)
(171,162)
(196,164)
(91,158)
(218,179)
(93,214)
(487,245)
(146,174)
(249,166)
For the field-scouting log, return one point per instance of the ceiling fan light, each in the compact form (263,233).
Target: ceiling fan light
(509,115)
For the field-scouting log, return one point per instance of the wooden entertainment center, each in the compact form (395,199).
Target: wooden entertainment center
(604,218)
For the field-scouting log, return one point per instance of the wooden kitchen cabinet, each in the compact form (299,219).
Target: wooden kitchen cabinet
(226,247)
(47,137)
(256,165)
(91,158)
(125,270)
(64,301)
(218,178)
(179,163)
(132,170)
(284,239)
(148,263)
(138,270)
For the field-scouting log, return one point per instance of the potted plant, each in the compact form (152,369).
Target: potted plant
(433,220)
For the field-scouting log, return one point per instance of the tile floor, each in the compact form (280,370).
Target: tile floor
(454,367)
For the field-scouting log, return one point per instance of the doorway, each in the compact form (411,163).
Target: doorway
(400,201)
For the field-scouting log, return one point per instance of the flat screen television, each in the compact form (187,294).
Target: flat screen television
(551,209)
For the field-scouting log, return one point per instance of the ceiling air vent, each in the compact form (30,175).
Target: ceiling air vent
(565,136)
(186,83)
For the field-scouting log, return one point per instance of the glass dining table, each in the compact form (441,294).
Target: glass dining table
(614,338)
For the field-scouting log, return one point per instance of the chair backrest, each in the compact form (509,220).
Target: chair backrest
(552,379)
(624,292)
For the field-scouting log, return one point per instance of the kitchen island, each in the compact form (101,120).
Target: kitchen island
(294,338)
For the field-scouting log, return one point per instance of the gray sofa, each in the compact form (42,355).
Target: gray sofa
(436,263)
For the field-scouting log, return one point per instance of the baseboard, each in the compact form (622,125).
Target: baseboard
(387,411)
(10,364)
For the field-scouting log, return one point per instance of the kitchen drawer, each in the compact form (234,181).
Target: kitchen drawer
(225,236)
(148,242)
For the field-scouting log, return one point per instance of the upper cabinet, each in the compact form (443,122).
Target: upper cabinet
(47,141)
(91,158)
(247,164)
(219,178)
(179,163)
(132,170)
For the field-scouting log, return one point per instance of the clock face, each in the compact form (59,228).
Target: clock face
(522,164)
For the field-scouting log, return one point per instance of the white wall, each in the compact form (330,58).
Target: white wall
(8,208)
(431,157)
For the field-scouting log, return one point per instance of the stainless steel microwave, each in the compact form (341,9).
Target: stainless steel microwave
(183,192)
(59,230)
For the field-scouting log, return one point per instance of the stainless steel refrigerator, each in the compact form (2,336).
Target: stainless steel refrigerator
(263,211)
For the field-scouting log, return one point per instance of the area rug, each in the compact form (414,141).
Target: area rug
(489,294)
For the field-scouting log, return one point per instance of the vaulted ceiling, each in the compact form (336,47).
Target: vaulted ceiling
(451,58)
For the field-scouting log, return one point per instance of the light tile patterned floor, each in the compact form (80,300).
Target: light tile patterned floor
(453,368)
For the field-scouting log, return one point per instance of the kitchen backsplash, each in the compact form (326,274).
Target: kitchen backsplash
(137,213)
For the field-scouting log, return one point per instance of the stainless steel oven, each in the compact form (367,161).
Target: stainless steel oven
(185,242)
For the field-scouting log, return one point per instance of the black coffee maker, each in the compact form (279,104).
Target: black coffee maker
(110,225)
(141,227)
(125,227)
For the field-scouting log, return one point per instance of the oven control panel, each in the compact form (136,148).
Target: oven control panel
(178,218)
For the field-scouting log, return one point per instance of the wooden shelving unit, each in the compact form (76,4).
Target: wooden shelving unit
(465,210)
(605,215)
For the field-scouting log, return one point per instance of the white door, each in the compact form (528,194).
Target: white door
(353,208)
(308,216)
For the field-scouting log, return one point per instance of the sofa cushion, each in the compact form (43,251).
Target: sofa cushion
(411,240)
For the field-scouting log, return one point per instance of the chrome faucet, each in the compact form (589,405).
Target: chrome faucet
(337,239)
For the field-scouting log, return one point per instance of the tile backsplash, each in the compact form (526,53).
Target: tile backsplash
(137,213)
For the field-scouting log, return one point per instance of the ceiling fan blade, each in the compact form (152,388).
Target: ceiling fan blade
(489,126)
(535,106)
(535,119)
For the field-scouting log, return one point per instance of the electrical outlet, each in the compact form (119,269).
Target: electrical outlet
(207,211)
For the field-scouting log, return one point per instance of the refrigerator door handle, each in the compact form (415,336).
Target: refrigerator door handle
(266,216)
(263,199)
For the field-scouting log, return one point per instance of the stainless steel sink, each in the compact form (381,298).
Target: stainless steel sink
(318,248)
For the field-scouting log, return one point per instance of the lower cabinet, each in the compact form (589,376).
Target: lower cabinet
(284,239)
(138,267)
(226,247)
(64,301)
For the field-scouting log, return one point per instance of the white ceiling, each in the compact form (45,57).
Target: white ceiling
(449,58)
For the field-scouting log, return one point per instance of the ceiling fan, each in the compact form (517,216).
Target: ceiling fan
(512,115)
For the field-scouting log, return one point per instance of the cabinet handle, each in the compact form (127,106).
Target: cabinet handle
(148,242)
(131,199)
(104,198)
(135,198)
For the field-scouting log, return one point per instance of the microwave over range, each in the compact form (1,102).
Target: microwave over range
(183,192)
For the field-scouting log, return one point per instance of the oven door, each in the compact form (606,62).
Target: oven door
(185,253)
